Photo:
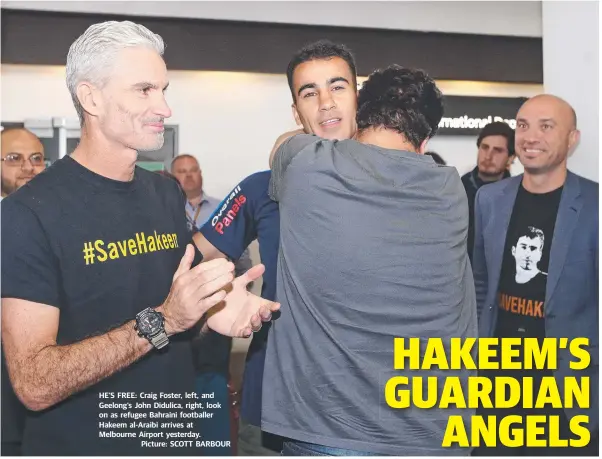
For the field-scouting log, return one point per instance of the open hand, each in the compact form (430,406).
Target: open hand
(241,313)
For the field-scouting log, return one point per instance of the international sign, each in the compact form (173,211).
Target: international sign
(468,115)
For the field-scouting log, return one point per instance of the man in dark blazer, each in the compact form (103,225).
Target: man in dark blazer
(536,261)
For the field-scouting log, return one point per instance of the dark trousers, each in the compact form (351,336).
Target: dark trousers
(216,428)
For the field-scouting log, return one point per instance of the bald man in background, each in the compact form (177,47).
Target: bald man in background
(535,265)
(22,160)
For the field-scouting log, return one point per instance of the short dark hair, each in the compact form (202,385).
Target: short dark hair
(438,159)
(321,49)
(498,128)
(531,232)
(401,99)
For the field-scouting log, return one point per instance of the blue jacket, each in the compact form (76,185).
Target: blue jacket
(571,302)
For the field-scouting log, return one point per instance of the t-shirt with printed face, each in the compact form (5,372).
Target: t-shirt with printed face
(101,251)
(524,273)
(372,248)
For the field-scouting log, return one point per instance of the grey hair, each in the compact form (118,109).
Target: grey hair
(91,56)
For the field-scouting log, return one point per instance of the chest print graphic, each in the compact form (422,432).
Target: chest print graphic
(527,253)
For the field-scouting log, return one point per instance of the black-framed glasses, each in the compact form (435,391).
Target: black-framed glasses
(17,160)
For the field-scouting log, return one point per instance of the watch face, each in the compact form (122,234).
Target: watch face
(150,323)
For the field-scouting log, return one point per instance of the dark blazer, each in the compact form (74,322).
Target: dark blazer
(472,183)
(571,303)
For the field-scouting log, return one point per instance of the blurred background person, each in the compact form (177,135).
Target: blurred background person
(494,157)
(22,158)
(199,206)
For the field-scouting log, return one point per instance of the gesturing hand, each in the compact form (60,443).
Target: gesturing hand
(241,313)
(194,291)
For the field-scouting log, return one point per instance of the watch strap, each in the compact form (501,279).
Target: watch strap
(160,340)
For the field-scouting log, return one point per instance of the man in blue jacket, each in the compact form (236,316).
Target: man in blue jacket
(536,260)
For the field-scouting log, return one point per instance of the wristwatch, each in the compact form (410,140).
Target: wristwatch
(150,324)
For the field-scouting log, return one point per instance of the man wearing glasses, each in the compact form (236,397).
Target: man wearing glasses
(22,159)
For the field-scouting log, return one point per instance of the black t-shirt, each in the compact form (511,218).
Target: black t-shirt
(522,288)
(523,278)
(100,251)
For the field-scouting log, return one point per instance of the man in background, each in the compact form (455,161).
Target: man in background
(22,159)
(199,205)
(322,80)
(211,351)
(494,157)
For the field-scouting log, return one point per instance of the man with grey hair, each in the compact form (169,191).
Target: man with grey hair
(101,293)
